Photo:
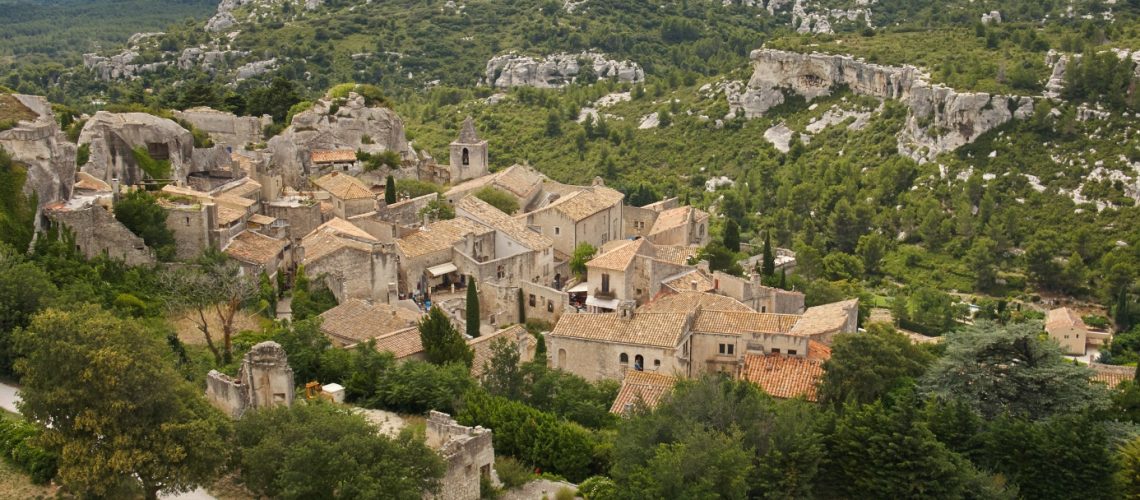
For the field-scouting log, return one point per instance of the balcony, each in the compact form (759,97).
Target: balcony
(604,294)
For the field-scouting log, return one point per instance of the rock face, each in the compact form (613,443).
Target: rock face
(556,70)
(226,128)
(318,129)
(44,150)
(224,19)
(122,66)
(941,119)
(113,136)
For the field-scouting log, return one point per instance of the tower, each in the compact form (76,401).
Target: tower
(468,154)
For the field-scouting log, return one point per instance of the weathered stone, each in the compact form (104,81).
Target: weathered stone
(43,149)
(226,128)
(468,453)
(265,380)
(112,136)
(97,232)
(556,70)
(780,136)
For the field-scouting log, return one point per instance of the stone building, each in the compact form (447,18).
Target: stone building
(468,453)
(200,220)
(468,154)
(666,222)
(640,388)
(785,375)
(299,215)
(687,334)
(225,128)
(632,270)
(97,232)
(1066,327)
(334,160)
(259,253)
(349,196)
(355,321)
(522,182)
(588,215)
(265,380)
(757,296)
(351,262)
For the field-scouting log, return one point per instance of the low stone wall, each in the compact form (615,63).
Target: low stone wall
(468,452)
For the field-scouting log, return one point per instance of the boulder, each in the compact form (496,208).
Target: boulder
(45,151)
(226,128)
(112,137)
(556,70)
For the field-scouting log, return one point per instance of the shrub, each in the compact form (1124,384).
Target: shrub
(598,488)
(565,493)
(512,473)
(17,446)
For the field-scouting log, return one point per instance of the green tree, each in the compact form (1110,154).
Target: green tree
(925,309)
(322,451)
(139,211)
(1128,477)
(1011,370)
(982,259)
(390,190)
(17,210)
(213,288)
(24,290)
(701,464)
(871,249)
(553,124)
(501,374)
(120,415)
(720,258)
(865,367)
(499,199)
(841,266)
(732,236)
(583,253)
(521,305)
(442,343)
(768,264)
(471,310)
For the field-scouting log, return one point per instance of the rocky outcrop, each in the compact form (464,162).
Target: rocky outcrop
(819,19)
(41,147)
(226,128)
(224,20)
(941,119)
(353,126)
(556,70)
(112,137)
(119,66)
(255,68)
(122,66)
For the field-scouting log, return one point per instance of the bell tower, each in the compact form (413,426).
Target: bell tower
(468,154)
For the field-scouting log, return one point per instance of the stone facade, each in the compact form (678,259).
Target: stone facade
(468,453)
(757,296)
(265,380)
(468,154)
(191,225)
(302,215)
(225,128)
(586,216)
(97,232)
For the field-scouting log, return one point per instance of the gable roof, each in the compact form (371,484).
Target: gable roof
(440,235)
(687,301)
(784,376)
(646,387)
(482,346)
(255,248)
(357,321)
(241,188)
(1063,317)
(343,186)
(333,156)
(675,217)
(644,329)
(684,282)
(827,318)
(586,202)
(619,258)
(334,235)
(737,322)
(480,211)
(401,343)
(1111,375)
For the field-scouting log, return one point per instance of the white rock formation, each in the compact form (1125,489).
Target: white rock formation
(44,150)
(556,70)
(226,128)
(993,17)
(941,119)
(224,20)
(112,136)
(780,136)
(317,129)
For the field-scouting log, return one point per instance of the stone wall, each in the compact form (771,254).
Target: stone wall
(97,232)
(468,453)
(549,304)
(301,215)
(406,212)
(226,128)
(191,226)
(265,380)
(40,146)
(595,360)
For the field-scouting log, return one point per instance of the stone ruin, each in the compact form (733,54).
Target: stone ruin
(265,380)
(468,453)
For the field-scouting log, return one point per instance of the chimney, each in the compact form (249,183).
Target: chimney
(693,285)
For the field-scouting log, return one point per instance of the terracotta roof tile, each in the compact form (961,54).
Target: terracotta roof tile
(639,387)
(335,235)
(333,156)
(587,202)
(357,321)
(687,301)
(344,186)
(262,220)
(648,329)
(255,248)
(675,217)
(684,282)
(737,322)
(482,346)
(401,343)
(439,236)
(1063,317)
(619,258)
(827,318)
(1112,375)
(784,376)
(243,189)
(228,215)
(818,350)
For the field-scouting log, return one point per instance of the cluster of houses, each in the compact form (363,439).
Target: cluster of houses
(645,312)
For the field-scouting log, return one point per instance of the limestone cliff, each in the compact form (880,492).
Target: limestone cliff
(226,128)
(112,137)
(352,125)
(556,70)
(941,119)
(43,148)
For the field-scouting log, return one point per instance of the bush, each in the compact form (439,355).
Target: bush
(499,199)
(17,447)
(565,493)
(512,473)
(598,488)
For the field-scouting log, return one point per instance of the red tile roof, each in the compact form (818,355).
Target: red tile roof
(784,376)
(641,387)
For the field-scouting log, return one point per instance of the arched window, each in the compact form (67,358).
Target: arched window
(623,359)
(701,231)
(638,363)
(562,358)
(466,157)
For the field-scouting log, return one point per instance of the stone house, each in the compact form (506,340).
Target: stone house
(264,380)
(349,196)
(522,182)
(1066,327)
(632,270)
(686,334)
(641,388)
(787,376)
(334,160)
(355,321)
(468,452)
(531,254)
(352,263)
(97,232)
(757,296)
(298,215)
(588,215)
(468,154)
(257,253)
(666,222)
(427,257)
(200,220)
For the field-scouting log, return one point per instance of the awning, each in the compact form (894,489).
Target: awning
(442,269)
(603,303)
(579,288)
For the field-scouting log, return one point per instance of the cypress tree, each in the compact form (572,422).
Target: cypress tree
(390,190)
(472,308)
(732,236)
(540,348)
(522,308)
(1120,312)
(769,267)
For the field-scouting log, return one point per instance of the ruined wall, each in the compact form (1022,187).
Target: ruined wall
(191,226)
(97,232)
(226,394)
(264,380)
(44,150)
(468,453)
(226,128)
(548,305)
(303,217)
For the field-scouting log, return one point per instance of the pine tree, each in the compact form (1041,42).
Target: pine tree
(732,236)
(442,342)
(769,265)
(1120,312)
(472,308)
(390,190)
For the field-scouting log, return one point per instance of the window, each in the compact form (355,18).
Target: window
(638,363)
(775,351)
(500,272)
(657,363)
(763,309)
(605,282)
(623,359)
(187,221)
(466,157)
(639,291)
(557,230)
(550,306)
(727,349)
(791,352)
(562,358)
(532,300)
